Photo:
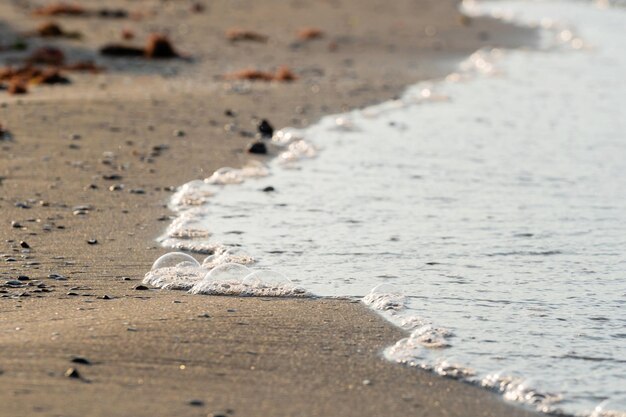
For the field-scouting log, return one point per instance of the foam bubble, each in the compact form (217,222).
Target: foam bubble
(296,151)
(286,136)
(193,193)
(271,283)
(192,246)
(175,259)
(227,272)
(225,176)
(175,270)
(522,390)
(227,256)
(238,280)
(451,369)
(344,124)
(385,297)
(613,407)
(228,175)
(431,337)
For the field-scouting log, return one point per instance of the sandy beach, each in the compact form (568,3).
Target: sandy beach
(89,166)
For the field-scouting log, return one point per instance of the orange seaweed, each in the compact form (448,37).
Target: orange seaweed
(60,9)
(282,74)
(308,34)
(236,34)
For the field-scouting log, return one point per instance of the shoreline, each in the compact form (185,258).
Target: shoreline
(97,314)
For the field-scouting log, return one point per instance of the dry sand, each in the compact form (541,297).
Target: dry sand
(153,352)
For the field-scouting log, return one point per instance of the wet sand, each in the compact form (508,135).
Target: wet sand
(84,184)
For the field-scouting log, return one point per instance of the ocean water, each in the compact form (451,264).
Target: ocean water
(484,212)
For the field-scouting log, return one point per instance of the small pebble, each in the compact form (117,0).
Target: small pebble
(72,373)
(179,133)
(266,129)
(196,403)
(141,287)
(112,177)
(24,245)
(81,360)
(268,189)
(92,241)
(57,277)
(257,148)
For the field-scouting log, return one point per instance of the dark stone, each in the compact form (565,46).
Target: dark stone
(229,113)
(80,360)
(111,177)
(106,297)
(121,50)
(57,277)
(196,403)
(92,241)
(266,129)
(141,287)
(23,278)
(24,245)
(113,13)
(268,189)
(257,148)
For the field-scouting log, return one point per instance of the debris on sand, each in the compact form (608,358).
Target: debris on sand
(72,373)
(258,148)
(265,128)
(112,13)
(17,45)
(282,74)
(236,35)
(5,134)
(54,30)
(158,46)
(83,66)
(19,78)
(198,8)
(128,34)
(47,55)
(17,87)
(309,34)
(49,76)
(121,50)
(60,9)
(66,9)
(250,74)
(50,29)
